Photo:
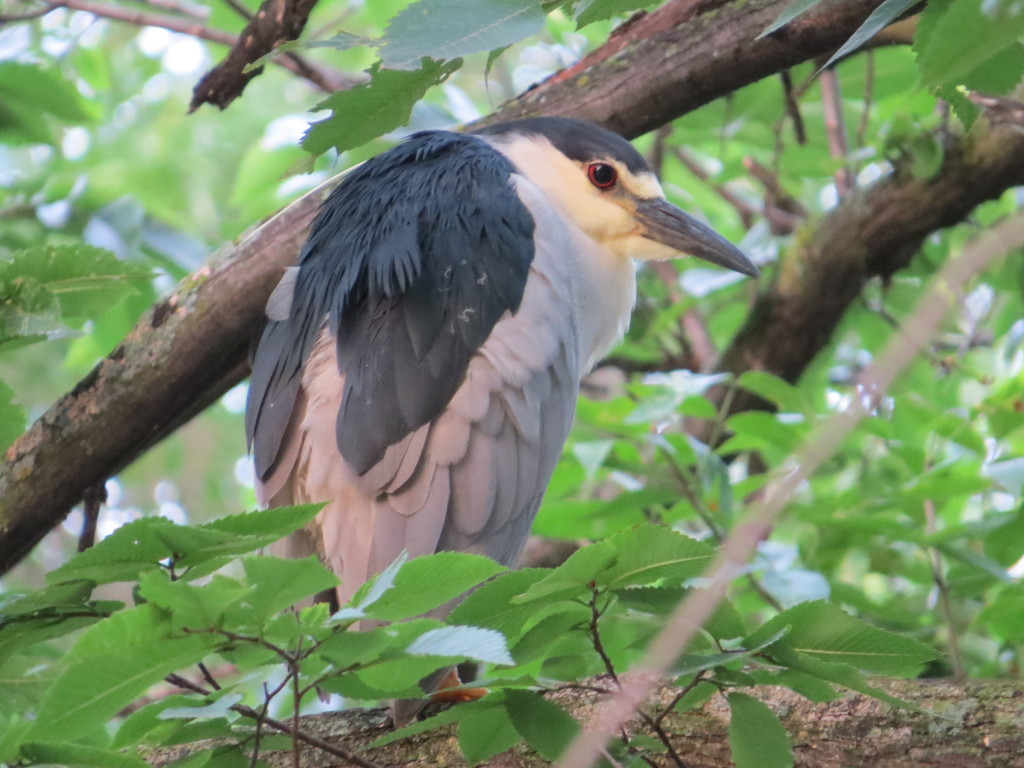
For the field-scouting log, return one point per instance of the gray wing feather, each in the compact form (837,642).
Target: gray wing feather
(473,478)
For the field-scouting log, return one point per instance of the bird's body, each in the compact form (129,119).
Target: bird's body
(420,370)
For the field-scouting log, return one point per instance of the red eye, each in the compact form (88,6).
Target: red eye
(602,175)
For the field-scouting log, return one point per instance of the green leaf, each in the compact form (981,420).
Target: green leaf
(491,604)
(600,10)
(756,737)
(841,674)
(881,17)
(485,706)
(425,583)
(86,281)
(791,12)
(457,642)
(277,584)
(823,631)
(29,96)
(777,391)
(112,664)
(648,553)
(487,734)
(12,417)
(962,37)
(368,111)
(190,605)
(269,524)
(1004,616)
(573,576)
(122,556)
(696,696)
(447,29)
(545,726)
(80,755)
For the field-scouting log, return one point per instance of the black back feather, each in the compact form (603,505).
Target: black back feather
(411,261)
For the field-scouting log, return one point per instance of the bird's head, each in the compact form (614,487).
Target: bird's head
(604,186)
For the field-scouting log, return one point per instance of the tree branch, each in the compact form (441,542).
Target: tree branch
(276,22)
(187,350)
(873,232)
(973,723)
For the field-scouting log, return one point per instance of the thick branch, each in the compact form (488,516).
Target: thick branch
(972,724)
(184,353)
(873,232)
(276,22)
(682,56)
(189,349)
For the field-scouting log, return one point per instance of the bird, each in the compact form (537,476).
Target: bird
(419,367)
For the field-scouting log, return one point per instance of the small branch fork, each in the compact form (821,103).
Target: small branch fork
(189,20)
(292,660)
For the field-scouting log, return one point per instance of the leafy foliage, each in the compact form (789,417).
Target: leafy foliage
(590,615)
(902,555)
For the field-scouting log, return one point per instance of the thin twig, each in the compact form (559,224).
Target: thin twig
(277,725)
(697,678)
(699,604)
(938,577)
(208,677)
(869,88)
(92,501)
(835,129)
(793,107)
(595,635)
(192,28)
(746,211)
(183,7)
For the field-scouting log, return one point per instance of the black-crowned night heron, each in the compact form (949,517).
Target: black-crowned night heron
(419,368)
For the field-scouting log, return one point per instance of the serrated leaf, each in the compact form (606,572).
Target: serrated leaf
(696,696)
(111,665)
(368,111)
(474,643)
(484,735)
(85,280)
(841,674)
(80,755)
(545,726)
(129,551)
(425,583)
(823,631)
(756,737)
(277,584)
(447,29)
(192,606)
(448,716)
(371,591)
(600,10)
(649,553)
(491,604)
(572,576)
(961,37)
(272,523)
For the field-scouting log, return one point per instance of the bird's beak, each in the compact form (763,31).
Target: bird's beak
(665,223)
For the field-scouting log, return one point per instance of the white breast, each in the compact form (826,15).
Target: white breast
(601,285)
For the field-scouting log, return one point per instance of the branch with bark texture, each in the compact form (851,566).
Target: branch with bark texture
(967,724)
(276,22)
(874,232)
(188,350)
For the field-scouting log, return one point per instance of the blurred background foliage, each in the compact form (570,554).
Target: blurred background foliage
(915,525)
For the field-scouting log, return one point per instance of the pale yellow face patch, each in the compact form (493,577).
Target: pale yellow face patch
(607,216)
